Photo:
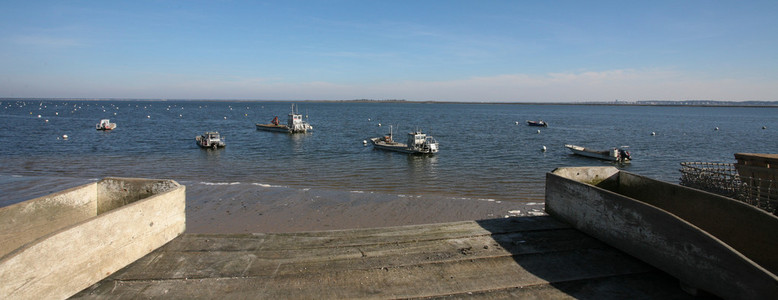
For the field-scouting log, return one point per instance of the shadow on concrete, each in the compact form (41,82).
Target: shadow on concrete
(560,261)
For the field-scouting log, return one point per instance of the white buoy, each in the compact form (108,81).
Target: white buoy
(716,128)
(148,117)
(517,122)
(47,120)
(764,127)
(538,130)
(379,124)
(39,116)
(225,118)
(543,149)
(364,142)
(64,136)
(653,133)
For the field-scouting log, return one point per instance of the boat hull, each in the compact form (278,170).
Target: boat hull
(278,128)
(604,155)
(107,127)
(708,242)
(209,145)
(396,147)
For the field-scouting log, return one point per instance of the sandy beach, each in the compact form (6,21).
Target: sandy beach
(238,209)
(243,208)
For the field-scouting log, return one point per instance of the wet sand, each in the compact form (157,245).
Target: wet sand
(245,207)
(238,209)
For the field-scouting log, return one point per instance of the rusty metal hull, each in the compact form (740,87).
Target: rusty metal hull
(708,242)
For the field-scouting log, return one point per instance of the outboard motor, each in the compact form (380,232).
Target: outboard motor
(624,155)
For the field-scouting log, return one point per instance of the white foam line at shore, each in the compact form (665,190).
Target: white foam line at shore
(220,183)
(268,185)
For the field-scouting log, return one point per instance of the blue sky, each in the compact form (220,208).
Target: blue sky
(516,51)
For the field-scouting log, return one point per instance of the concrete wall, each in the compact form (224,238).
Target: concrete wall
(27,221)
(65,261)
(658,237)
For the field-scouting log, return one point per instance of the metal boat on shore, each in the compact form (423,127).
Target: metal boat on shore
(615,154)
(105,124)
(294,124)
(418,143)
(210,139)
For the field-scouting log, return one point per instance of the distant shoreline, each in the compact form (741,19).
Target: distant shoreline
(694,103)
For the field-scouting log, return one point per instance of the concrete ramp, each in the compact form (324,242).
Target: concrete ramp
(523,258)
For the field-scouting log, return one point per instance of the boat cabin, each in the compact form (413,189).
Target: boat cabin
(416,138)
(294,120)
(212,136)
(421,142)
(105,124)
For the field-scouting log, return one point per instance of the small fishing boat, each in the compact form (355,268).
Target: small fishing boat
(210,139)
(615,154)
(294,124)
(105,124)
(418,143)
(537,123)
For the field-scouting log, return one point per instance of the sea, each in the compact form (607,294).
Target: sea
(487,151)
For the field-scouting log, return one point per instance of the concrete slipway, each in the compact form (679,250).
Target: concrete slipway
(615,255)
(526,257)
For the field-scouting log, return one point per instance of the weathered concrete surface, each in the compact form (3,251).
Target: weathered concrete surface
(525,257)
(27,221)
(710,242)
(67,241)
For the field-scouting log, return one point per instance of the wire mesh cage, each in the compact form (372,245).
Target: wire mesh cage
(724,179)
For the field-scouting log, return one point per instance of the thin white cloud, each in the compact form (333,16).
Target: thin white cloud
(46,41)
(624,85)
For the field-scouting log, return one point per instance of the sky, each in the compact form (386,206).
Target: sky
(475,51)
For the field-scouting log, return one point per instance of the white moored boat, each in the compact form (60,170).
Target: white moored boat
(294,124)
(105,124)
(615,154)
(210,139)
(418,143)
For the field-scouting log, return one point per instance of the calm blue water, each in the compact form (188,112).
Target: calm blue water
(484,154)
